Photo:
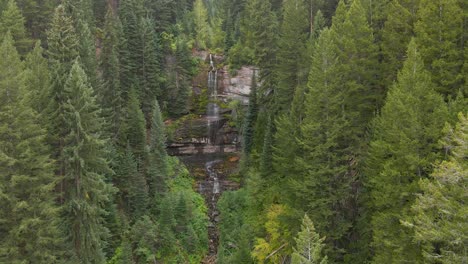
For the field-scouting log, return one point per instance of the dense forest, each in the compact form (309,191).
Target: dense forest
(353,143)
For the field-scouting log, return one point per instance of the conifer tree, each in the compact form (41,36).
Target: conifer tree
(110,92)
(396,35)
(85,165)
(38,78)
(158,165)
(292,69)
(136,185)
(201,25)
(148,70)
(309,245)
(12,20)
(260,31)
(439,32)
(62,51)
(400,154)
(440,220)
(250,118)
(135,129)
(29,216)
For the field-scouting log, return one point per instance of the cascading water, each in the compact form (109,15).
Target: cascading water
(212,179)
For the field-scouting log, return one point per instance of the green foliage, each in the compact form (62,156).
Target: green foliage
(135,129)
(400,154)
(292,66)
(38,78)
(201,25)
(309,245)
(29,216)
(12,20)
(438,31)
(85,165)
(440,214)
(251,117)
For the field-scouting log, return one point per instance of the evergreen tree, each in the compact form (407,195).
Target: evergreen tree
(396,35)
(158,167)
(292,53)
(38,78)
(12,20)
(440,219)
(260,29)
(110,93)
(134,185)
(249,122)
(62,51)
(309,245)
(85,166)
(201,25)
(29,217)
(400,154)
(439,31)
(135,129)
(149,75)
(146,240)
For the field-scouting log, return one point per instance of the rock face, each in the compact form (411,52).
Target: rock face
(238,87)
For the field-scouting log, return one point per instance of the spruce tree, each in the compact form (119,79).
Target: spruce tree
(396,35)
(250,118)
(38,78)
(439,214)
(400,154)
(110,93)
(12,20)
(85,165)
(439,32)
(292,65)
(149,75)
(201,25)
(309,245)
(135,129)
(29,216)
(158,160)
(62,51)
(136,186)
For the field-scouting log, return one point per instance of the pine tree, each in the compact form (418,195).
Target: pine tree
(29,216)
(309,245)
(135,129)
(252,111)
(133,186)
(396,35)
(110,93)
(440,219)
(12,20)
(260,29)
(201,25)
(38,78)
(292,57)
(158,168)
(400,154)
(85,165)
(319,140)
(439,30)
(148,70)
(62,51)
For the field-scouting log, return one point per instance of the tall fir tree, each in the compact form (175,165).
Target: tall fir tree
(12,20)
(85,166)
(249,123)
(201,25)
(400,154)
(134,131)
(158,168)
(38,78)
(149,74)
(29,216)
(62,51)
(396,35)
(292,60)
(110,94)
(439,31)
(440,220)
